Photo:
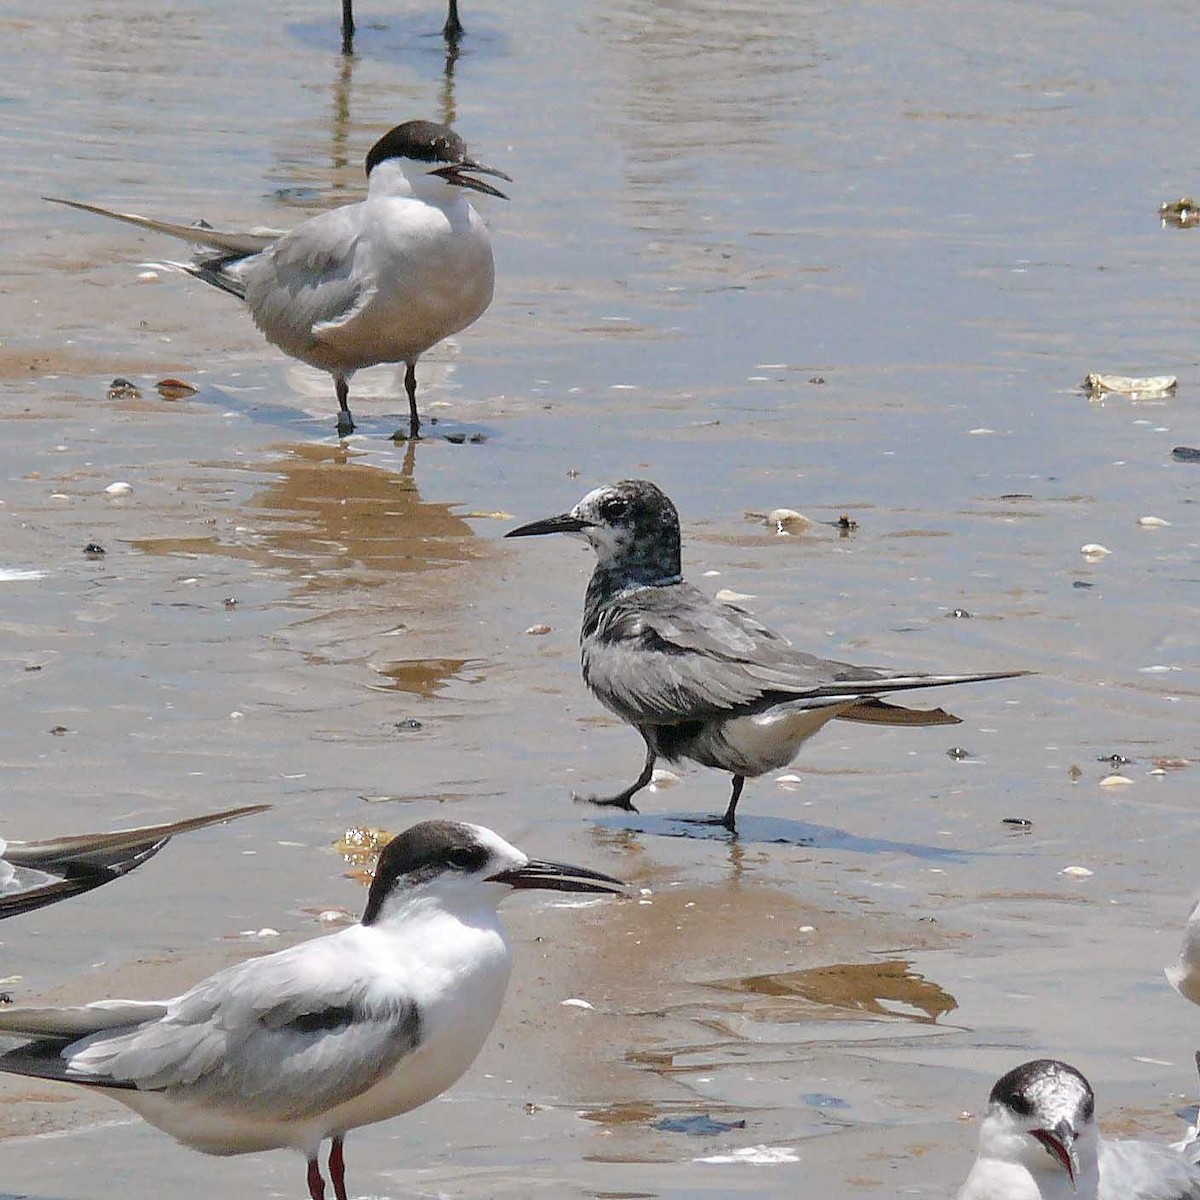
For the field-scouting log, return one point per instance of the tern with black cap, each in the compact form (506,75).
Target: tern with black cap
(300,1046)
(378,281)
(1039,1141)
(697,678)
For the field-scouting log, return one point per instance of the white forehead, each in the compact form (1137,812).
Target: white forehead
(496,845)
(590,504)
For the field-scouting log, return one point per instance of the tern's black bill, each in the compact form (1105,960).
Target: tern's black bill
(565,523)
(456,174)
(558,877)
(1060,1145)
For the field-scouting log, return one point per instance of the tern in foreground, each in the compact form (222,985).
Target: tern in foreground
(1039,1141)
(379,281)
(310,1042)
(699,679)
(34,874)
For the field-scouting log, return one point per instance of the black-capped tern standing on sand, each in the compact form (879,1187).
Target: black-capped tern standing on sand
(378,281)
(315,1040)
(1039,1141)
(698,678)
(34,874)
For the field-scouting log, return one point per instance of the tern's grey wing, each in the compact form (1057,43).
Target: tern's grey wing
(310,281)
(54,869)
(668,654)
(1135,1170)
(289,1035)
(228,241)
(110,850)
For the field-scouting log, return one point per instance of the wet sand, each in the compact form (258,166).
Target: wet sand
(768,255)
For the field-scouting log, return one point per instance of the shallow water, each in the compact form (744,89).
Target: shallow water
(769,254)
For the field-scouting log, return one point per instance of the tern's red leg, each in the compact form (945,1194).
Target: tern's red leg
(316,1185)
(337,1168)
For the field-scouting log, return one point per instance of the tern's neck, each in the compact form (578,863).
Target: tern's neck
(407,912)
(610,579)
(392,179)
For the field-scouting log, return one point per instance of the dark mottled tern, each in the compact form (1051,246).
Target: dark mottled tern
(344,1030)
(1039,1141)
(700,679)
(378,281)
(34,874)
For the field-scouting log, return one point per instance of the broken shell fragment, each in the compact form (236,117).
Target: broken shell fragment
(1153,522)
(788,520)
(1182,213)
(123,389)
(175,389)
(1136,387)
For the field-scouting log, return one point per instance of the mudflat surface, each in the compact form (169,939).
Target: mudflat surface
(770,255)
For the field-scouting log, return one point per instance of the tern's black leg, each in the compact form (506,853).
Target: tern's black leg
(410,386)
(316,1185)
(625,799)
(347,26)
(739,782)
(345,422)
(453,29)
(337,1168)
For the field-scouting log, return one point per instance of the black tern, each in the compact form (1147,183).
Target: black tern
(697,678)
(379,281)
(34,874)
(344,1030)
(1039,1141)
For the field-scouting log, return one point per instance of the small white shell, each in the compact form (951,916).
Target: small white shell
(1111,781)
(120,488)
(788,520)
(1153,522)
(1078,872)
(1094,550)
(575,1002)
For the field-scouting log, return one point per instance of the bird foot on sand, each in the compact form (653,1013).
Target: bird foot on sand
(622,802)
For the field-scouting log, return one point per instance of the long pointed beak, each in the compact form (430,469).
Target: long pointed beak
(565,523)
(455,174)
(1060,1145)
(558,877)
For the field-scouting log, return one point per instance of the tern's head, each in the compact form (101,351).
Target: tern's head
(1042,1115)
(428,160)
(632,526)
(456,863)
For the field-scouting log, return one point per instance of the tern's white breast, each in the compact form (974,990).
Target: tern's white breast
(382,282)
(453,968)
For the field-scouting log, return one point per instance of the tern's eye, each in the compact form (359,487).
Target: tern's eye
(466,858)
(614,507)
